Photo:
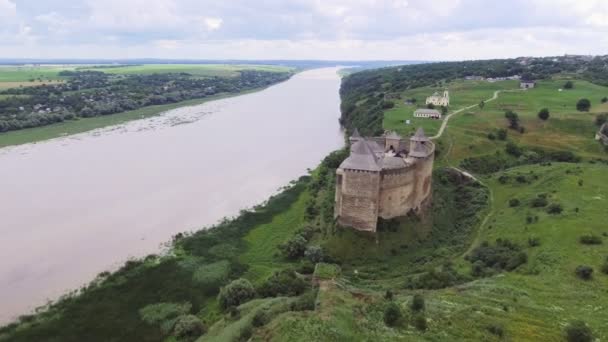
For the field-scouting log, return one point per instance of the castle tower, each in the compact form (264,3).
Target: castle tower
(392,140)
(422,151)
(355,137)
(446,97)
(419,145)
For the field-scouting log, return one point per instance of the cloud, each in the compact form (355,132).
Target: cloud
(319,29)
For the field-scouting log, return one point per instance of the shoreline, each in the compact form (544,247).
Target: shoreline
(83,125)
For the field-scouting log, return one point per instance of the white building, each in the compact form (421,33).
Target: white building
(525,84)
(438,100)
(427,113)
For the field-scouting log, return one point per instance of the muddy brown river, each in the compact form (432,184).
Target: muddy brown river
(73,207)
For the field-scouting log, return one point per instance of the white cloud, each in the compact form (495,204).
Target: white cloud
(133,15)
(8,9)
(213,24)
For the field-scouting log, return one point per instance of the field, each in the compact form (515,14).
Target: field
(201,70)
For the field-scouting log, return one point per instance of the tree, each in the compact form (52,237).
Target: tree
(569,85)
(420,322)
(314,254)
(514,202)
(513,119)
(482,104)
(578,331)
(601,119)
(584,272)
(513,149)
(543,114)
(295,247)
(430,106)
(237,292)
(604,99)
(502,134)
(188,328)
(418,303)
(392,314)
(444,110)
(583,105)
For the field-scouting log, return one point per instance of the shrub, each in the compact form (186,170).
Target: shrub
(491,136)
(237,292)
(605,267)
(417,303)
(601,119)
(604,99)
(212,275)
(435,279)
(388,295)
(392,314)
(504,255)
(388,104)
(420,322)
(188,327)
(295,247)
(584,272)
(314,254)
(496,329)
(578,331)
(514,202)
(569,85)
(159,312)
(555,209)
(513,149)
(283,283)
(543,114)
(590,239)
(260,318)
(305,302)
(513,119)
(533,242)
(501,134)
(539,202)
(583,105)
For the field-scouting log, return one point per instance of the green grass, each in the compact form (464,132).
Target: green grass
(81,125)
(263,240)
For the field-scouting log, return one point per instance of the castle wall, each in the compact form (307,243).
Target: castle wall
(396,193)
(424,180)
(359,200)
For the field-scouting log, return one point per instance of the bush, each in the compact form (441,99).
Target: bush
(604,99)
(212,275)
(543,114)
(283,283)
(496,329)
(601,119)
(504,255)
(584,272)
(237,292)
(295,247)
(417,303)
(260,318)
(314,254)
(513,119)
(305,302)
(590,239)
(514,202)
(539,202)
(501,134)
(555,209)
(583,105)
(188,327)
(159,312)
(533,242)
(605,267)
(578,331)
(420,322)
(513,149)
(491,136)
(569,85)
(388,295)
(392,314)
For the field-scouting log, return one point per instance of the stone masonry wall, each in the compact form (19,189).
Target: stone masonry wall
(359,202)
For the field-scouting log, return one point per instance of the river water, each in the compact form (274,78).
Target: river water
(75,206)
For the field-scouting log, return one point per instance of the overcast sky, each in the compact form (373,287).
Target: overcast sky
(302,29)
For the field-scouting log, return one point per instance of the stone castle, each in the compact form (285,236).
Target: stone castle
(384,177)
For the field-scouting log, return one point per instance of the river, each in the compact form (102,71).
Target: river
(73,207)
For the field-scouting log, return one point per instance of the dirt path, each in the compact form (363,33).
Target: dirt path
(444,124)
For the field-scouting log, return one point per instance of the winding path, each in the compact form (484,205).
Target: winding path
(444,124)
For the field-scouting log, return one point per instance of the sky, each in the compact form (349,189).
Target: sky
(302,29)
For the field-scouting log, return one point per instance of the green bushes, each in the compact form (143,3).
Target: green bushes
(543,114)
(237,292)
(420,322)
(164,315)
(417,303)
(555,209)
(578,331)
(435,279)
(295,247)
(513,119)
(314,254)
(590,239)
(188,328)
(583,105)
(212,275)
(605,266)
(503,255)
(514,202)
(540,201)
(283,283)
(392,314)
(496,329)
(513,149)
(584,272)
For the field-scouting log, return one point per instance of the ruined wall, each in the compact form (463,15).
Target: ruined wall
(397,193)
(359,199)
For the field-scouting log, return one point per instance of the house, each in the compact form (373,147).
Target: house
(527,84)
(427,113)
(439,100)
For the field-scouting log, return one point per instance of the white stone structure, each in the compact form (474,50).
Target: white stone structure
(526,84)
(427,113)
(439,100)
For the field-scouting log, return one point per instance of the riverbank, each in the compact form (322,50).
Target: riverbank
(82,125)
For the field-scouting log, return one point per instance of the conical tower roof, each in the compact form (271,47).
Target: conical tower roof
(356,134)
(419,136)
(361,157)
